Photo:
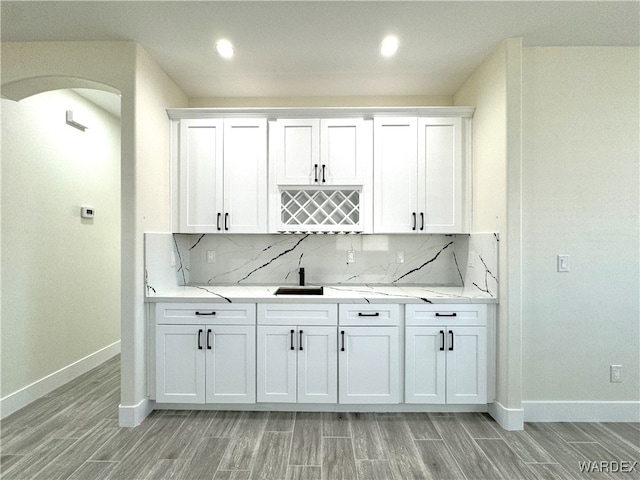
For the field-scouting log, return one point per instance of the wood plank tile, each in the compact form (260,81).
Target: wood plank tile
(303,472)
(569,432)
(163,469)
(6,461)
(65,464)
(187,437)
(504,459)
(224,425)
(594,452)
(558,449)
(438,460)
(421,426)
(206,458)
(232,475)
(629,432)
(403,454)
(280,422)
(243,447)
(93,470)
(611,441)
(117,447)
(272,458)
(366,437)
(29,465)
(338,462)
(472,460)
(306,442)
(526,447)
(335,424)
(549,471)
(479,425)
(374,470)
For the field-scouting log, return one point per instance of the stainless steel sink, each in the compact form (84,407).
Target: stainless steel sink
(310,290)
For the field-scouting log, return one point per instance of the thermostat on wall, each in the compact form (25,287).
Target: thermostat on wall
(87,212)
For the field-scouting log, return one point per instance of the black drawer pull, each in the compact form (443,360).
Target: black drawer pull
(415,221)
(442,340)
(226,221)
(205,314)
(208,339)
(451,346)
(454,314)
(218,221)
(200,339)
(372,314)
(315,174)
(292,333)
(300,348)
(421,221)
(342,334)
(323,169)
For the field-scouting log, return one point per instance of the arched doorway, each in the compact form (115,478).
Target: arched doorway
(60,272)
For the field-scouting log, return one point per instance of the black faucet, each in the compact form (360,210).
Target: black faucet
(301,273)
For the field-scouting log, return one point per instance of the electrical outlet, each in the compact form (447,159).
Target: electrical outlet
(211,256)
(615,372)
(351,256)
(400,256)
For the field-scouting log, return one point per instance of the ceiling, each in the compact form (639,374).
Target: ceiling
(308,48)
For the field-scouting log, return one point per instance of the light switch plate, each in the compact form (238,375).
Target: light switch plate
(351,256)
(563,263)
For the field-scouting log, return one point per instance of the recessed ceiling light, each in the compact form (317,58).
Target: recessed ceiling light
(389,46)
(224,48)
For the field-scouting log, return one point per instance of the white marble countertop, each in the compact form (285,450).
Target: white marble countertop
(332,294)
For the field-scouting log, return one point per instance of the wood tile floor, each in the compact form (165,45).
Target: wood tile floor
(73,434)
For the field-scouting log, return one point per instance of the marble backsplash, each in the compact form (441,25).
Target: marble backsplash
(456,260)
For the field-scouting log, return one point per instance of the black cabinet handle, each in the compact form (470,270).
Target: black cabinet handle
(415,221)
(454,314)
(300,340)
(451,346)
(323,169)
(292,332)
(226,221)
(342,334)
(421,220)
(315,173)
(200,339)
(208,339)
(442,340)
(372,314)
(205,314)
(218,221)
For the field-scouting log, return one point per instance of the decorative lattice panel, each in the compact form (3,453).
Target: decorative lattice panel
(311,209)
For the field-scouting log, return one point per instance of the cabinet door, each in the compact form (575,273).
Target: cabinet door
(276,364)
(440,174)
(245,176)
(425,369)
(343,151)
(317,365)
(230,364)
(369,365)
(180,364)
(395,173)
(201,151)
(297,151)
(467,365)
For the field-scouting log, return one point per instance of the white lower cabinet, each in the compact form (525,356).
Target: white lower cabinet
(297,353)
(369,354)
(208,362)
(446,354)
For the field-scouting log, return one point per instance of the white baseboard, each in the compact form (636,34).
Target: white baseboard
(133,415)
(581,411)
(23,397)
(507,418)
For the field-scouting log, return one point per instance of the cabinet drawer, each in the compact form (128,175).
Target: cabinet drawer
(297,314)
(446,314)
(369,315)
(206,313)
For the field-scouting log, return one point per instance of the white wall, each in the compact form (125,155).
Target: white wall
(580,197)
(493,89)
(60,273)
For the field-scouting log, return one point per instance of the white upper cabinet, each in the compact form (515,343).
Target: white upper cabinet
(419,176)
(320,151)
(223,176)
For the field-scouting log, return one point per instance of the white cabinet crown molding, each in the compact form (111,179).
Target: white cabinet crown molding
(322,112)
